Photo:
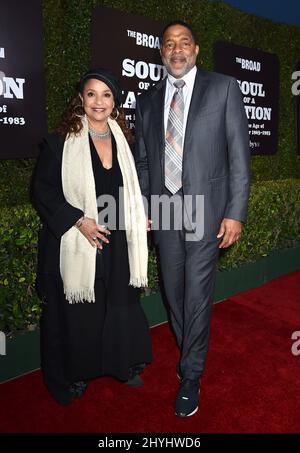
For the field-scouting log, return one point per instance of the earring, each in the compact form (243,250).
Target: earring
(76,113)
(117,115)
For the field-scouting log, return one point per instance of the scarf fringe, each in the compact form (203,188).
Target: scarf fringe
(80,296)
(138,282)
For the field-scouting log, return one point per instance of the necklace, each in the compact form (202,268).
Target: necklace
(98,135)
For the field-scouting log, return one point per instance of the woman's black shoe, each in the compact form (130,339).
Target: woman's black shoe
(134,378)
(77,389)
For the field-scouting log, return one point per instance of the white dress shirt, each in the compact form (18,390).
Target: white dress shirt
(187,91)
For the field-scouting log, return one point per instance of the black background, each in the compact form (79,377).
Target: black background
(21,35)
(111,45)
(225,62)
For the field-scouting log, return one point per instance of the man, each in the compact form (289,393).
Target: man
(192,139)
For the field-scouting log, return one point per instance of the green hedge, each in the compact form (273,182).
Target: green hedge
(19,304)
(273,222)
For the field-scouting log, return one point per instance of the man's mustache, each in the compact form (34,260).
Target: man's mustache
(175,59)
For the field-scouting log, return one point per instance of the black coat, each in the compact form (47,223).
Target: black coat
(57,215)
(83,341)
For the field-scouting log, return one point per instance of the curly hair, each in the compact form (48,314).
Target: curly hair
(71,120)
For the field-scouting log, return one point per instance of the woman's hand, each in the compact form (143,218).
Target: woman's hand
(94,232)
(149,223)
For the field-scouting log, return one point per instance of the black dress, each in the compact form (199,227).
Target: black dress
(87,340)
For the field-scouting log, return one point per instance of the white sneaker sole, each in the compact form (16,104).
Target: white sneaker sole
(188,415)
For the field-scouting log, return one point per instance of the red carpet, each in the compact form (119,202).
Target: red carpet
(251,384)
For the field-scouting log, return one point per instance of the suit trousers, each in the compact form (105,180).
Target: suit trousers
(188,272)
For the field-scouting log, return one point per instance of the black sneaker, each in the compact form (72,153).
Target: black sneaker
(178,373)
(187,399)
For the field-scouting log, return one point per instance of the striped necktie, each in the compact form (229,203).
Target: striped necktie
(173,143)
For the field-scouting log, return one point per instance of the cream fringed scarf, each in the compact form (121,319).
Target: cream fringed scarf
(77,256)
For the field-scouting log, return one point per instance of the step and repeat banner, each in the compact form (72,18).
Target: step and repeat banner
(22,85)
(257,73)
(128,45)
(133,54)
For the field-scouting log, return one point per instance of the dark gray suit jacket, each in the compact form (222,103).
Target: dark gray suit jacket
(216,148)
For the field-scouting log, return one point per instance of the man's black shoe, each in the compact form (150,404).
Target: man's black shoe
(187,399)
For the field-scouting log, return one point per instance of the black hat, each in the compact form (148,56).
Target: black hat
(106,76)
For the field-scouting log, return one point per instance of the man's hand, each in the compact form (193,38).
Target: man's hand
(230,230)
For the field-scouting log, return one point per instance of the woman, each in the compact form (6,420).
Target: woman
(89,274)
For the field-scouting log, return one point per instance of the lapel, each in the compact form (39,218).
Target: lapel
(200,85)
(158,103)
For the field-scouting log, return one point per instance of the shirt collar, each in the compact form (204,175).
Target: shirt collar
(189,78)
